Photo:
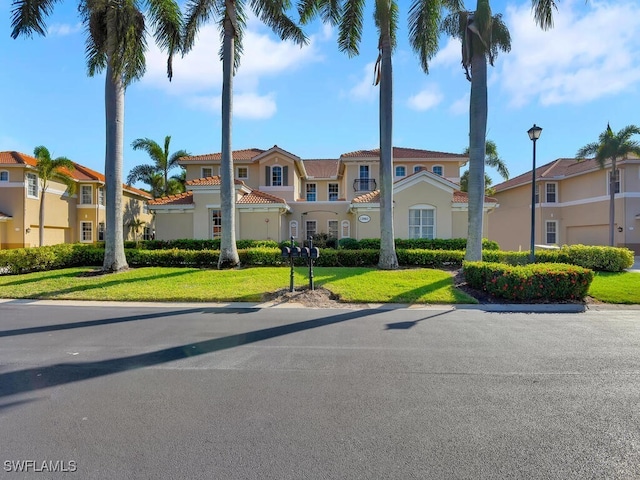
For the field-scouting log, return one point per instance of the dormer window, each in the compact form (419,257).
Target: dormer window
(276,176)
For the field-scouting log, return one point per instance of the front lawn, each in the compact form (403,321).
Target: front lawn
(157,284)
(621,287)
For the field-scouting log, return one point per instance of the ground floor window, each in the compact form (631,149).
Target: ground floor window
(346,229)
(293,229)
(552,232)
(101,231)
(147,233)
(86,232)
(332,228)
(311,228)
(216,223)
(422,223)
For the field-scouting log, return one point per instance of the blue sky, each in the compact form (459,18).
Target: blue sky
(316,102)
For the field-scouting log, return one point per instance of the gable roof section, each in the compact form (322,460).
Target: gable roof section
(406,153)
(237,155)
(556,170)
(16,158)
(209,181)
(321,168)
(424,176)
(262,198)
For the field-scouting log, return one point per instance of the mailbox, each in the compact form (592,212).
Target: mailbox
(304,252)
(315,252)
(286,251)
(295,252)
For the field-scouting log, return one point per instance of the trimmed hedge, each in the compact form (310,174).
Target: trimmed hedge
(24,260)
(539,281)
(415,243)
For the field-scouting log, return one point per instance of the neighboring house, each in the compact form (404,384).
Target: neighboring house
(279,195)
(572,206)
(68,219)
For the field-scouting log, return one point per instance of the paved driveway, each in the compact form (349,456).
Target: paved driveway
(199,392)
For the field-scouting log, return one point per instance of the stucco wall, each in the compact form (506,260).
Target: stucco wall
(173,226)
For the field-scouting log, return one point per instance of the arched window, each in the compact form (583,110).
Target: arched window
(345,231)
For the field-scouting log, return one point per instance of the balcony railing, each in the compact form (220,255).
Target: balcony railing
(364,185)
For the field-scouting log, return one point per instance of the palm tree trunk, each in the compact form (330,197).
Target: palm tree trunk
(388,259)
(612,202)
(114,257)
(228,252)
(41,217)
(477,139)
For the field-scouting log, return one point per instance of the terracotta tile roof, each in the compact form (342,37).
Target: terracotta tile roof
(463,197)
(209,181)
(399,152)
(246,154)
(80,173)
(185,198)
(256,196)
(560,168)
(324,168)
(4,216)
(16,158)
(371,197)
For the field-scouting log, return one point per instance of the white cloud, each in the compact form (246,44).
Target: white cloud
(425,99)
(448,56)
(461,106)
(588,54)
(365,89)
(198,75)
(63,29)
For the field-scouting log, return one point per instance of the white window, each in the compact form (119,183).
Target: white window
(551,193)
(276,176)
(207,172)
(32,185)
(147,233)
(4,176)
(243,173)
(86,194)
(101,196)
(293,229)
(86,232)
(364,172)
(216,224)
(333,192)
(437,169)
(422,222)
(311,192)
(537,193)
(616,180)
(346,229)
(311,228)
(401,171)
(332,228)
(101,231)
(417,168)
(551,227)
(362,183)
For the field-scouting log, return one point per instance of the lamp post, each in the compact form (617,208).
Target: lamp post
(534,134)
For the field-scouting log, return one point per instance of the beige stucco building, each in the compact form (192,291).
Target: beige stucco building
(572,206)
(279,195)
(68,218)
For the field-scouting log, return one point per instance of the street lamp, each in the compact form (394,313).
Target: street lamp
(534,134)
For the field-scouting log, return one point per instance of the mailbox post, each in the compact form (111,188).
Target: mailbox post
(310,253)
(291,252)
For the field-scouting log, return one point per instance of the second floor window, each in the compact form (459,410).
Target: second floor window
(364,172)
(417,168)
(333,192)
(276,176)
(32,185)
(101,196)
(243,172)
(207,172)
(85,194)
(4,176)
(437,169)
(311,192)
(401,171)
(551,193)
(616,181)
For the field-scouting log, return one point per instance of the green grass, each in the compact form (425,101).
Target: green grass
(366,285)
(621,288)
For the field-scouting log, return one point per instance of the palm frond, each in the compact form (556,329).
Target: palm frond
(173,158)
(587,151)
(543,12)
(142,173)
(500,39)
(330,11)
(152,148)
(350,29)
(425,18)
(273,14)
(28,17)
(166,22)
(197,13)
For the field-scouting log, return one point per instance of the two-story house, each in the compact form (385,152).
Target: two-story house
(68,218)
(279,195)
(572,206)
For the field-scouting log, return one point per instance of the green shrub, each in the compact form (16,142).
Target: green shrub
(24,260)
(538,281)
(349,243)
(606,259)
(430,258)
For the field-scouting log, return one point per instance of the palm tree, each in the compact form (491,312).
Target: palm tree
(491,159)
(482,35)
(116,42)
(163,163)
(424,20)
(231,18)
(49,169)
(612,146)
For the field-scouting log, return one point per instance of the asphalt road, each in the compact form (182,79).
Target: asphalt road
(201,392)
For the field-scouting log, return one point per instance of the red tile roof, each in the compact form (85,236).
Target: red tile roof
(258,197)
(463,197)
(560,168)
(399,152)
(246,154)
(80,173)
(321,168)
(185,198)
(209,181)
